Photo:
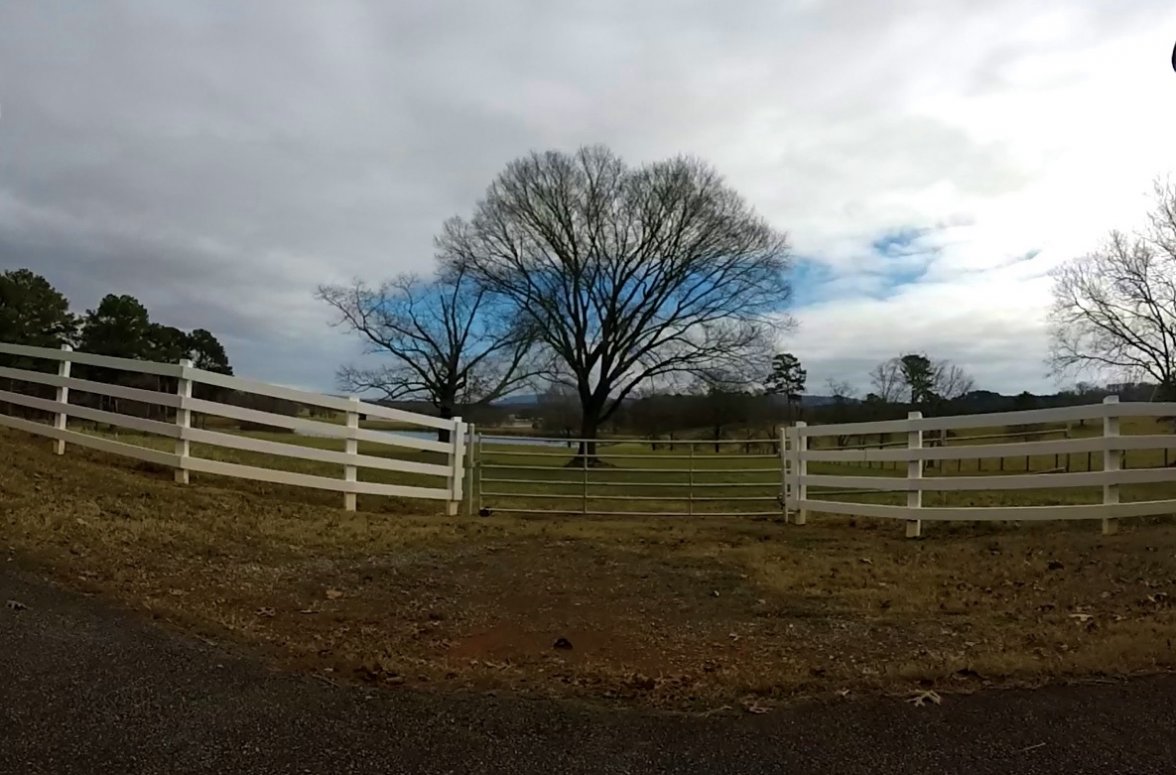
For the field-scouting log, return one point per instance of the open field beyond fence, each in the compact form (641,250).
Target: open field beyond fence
(691,613)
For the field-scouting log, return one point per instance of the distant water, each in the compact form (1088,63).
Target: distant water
(491,438)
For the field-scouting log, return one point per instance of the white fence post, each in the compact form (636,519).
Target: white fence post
(800,470)
(785,480)
(471,449)
(914,527)
(183,420)
(456,466)
(1111,462)
(351,449)
(59,420)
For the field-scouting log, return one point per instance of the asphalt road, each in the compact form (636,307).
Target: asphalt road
(87,688)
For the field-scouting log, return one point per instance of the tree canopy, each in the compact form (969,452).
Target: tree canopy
(787,377)
(625,273)
(33,312)
(120,327)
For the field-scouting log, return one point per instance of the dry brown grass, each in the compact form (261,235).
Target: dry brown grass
(673,612)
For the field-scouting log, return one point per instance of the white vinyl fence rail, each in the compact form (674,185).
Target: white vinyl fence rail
(800,451)
(445,479)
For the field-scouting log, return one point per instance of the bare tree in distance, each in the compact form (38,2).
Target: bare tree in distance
(449,344)
(887,380)
(1114,310)
(625,273)
(841,390)
(951,381)
(842,393)
(725,398)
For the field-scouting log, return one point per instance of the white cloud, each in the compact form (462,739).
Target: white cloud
(219,161)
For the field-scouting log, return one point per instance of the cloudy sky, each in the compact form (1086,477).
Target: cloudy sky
(930,160)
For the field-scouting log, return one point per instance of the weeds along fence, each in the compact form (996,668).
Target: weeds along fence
(618,477)
(164,405)
(831,479)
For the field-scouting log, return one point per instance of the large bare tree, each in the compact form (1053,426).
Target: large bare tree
(626,273)
(448,342)
(1114,310)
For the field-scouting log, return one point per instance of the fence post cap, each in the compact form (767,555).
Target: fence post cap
(185,362)
(66,347)
(353,399)
(914,415)
(1111,400)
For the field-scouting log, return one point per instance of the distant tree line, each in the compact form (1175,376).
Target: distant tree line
(34,313)
(755,406)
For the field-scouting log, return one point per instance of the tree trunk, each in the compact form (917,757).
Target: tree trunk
(446,413)
(587,448)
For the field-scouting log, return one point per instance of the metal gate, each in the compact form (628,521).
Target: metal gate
(618,477)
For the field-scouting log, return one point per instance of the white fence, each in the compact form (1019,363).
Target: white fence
(800,451)
(444,479)
(521,478)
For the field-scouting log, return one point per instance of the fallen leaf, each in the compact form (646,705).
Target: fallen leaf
(334,594)
(266,612)
(16,605)
(755,706)
(922,698)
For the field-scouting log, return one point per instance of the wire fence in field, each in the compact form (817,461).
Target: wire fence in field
(626,477)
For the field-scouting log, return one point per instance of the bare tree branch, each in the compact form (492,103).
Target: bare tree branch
(951,381)
(1114,310)
(448,342)
(887,380)
(626,274)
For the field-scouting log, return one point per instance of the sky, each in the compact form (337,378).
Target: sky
(930,161)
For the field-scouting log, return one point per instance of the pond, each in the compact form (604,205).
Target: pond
(490,438)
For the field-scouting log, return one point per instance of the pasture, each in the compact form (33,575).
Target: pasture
(677,612)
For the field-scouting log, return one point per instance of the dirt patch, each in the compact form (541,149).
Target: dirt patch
(669,612)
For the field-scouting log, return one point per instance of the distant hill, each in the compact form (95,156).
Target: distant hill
(533,399)
(523,399)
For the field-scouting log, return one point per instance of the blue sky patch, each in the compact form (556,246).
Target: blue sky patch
(898,258)
(901,242)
